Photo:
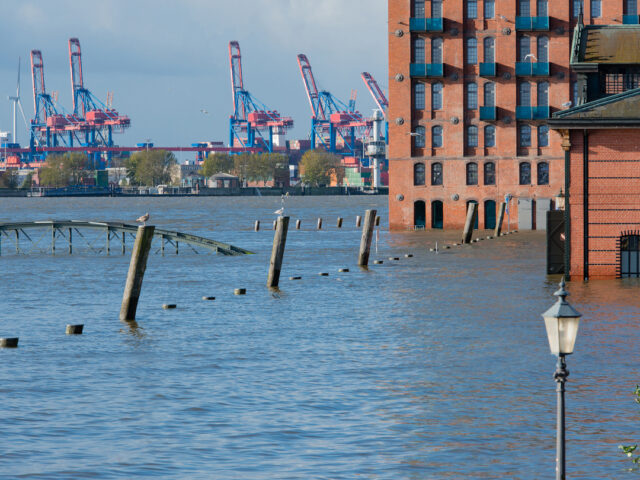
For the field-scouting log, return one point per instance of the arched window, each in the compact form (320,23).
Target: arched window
(472,96)
(436,173)
(418,96)
(489,214)
(489,173)
(436,50)
(524,94)
(489,50)
(418,174)
(542,10)
(543,136)
(472,50)
(489,8)
(524,135)
(524,49)
(472,9)
(525,173)
(472,173)
(489,94)
(418,8)
(419,214)
(543,173)
(489,136)
(436,8)
(543,94)
(543,49)
(630,256)
(437,214)
(524,8)
(418,138)
(436,136)
(436,96)
(418,50)
(472,136)
(578,7)
(630,7)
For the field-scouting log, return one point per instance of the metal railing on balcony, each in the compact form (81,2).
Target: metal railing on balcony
(630,19)
(532,69)
(427,70)
(532,113)
(529,24)
(487,69)
(426,25)
(488,113)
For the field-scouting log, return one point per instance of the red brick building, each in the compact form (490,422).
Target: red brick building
(472,84)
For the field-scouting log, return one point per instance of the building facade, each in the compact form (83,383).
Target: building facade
(472,84)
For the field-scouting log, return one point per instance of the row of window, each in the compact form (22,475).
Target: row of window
(488,48)
(471,103)
(489,170)
(471,136)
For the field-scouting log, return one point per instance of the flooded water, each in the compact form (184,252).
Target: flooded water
(430,367)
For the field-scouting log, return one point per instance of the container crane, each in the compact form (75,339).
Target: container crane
(252,123)
(331,118)
(376,92)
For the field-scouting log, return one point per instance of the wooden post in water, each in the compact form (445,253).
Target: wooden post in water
(498,230)
(277,253)
(53,239)
(319,224)
(358,221)
(256,227)
(137,267)
(275,222)
(298,222)
(367,234)
(377,221)
(472,214)
(70,241)
(339,222)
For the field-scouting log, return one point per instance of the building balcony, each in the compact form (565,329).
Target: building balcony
(426,25)
(487,69)
(532,24)
(630,19)
(532,69)
(488,113)
(532,113)
(432,70)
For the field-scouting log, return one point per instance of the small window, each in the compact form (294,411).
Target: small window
(418,174)
(489,173)
(543,136)
(489,8)
(524,8)
(489,94)
(543,49)
(578,8)
(525,173)
(472,173)
(489,136)
(543,173)
(472,9)
(436,50)
(543,94)
(524,135)
(418,96)
(418,50)
(524,49)
(436,136)
(418,8)
(489,48)
(472,96)
(541,6)
(596,8)
(436,173)
(436,8)
(472,51)
(524,94)
(472,136)
(436,96)
(419,140)
(630,7)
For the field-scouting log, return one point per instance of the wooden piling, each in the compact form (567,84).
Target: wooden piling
(358,221)
(74,329)
(298,223)
(137,267)
(498,230)
(339,222)
(367,235)
(319,224)
(9,342)
(70,241)
(377,221)
(277,253)
(472,213)
(256,227)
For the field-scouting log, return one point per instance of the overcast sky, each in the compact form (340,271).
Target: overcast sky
(165,61)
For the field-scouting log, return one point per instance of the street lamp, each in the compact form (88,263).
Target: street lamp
(561,321)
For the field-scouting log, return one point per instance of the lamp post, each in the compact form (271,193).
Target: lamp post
(561,322)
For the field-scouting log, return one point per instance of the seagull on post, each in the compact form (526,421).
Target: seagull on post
(279,212)
(143,219)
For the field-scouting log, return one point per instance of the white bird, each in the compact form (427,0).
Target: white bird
(567,104)
(280,211)
(202,110)
(530,55)
(143,219)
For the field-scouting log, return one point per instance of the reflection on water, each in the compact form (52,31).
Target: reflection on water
(435,366)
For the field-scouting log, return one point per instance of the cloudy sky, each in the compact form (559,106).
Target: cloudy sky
(165,60)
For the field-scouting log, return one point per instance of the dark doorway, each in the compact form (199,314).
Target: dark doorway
(475,225)
(489,214)
(556,242)
(630,256)
(419,215)
(437,214)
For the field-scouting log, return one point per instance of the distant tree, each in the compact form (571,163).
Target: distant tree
(151,167)
(63,170)
(241,163)
(28,181)
(318,166)
(217,162)
(9,179)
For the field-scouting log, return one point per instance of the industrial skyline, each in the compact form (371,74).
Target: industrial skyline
(165,82)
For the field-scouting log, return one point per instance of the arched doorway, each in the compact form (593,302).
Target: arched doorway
(630,256)
(419,214)
(489,214)
(475,225)
(437,214)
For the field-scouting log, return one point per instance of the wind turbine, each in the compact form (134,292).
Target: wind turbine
(17,104)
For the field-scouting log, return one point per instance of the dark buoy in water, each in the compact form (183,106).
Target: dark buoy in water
(74,329)
(169,306)
(295,278)
(240,291)
(208,298)
(378,262)
(9,342)
(343,270)
(323,274)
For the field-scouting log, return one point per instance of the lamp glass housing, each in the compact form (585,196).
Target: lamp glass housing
(562,333)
